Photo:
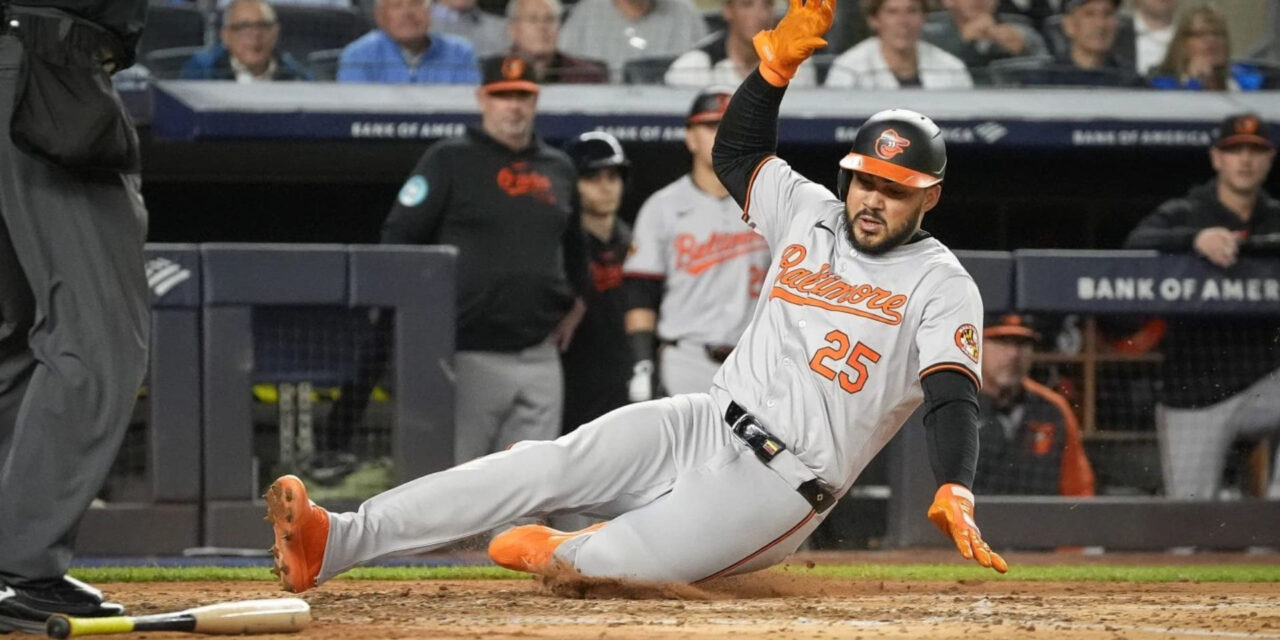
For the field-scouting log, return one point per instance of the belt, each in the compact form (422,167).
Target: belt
(717,352)
(766,447)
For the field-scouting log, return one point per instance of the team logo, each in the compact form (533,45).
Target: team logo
(967,340)
(521,180)
(164,274)
(414,191)
(890,144)
(1247,125)
(1042,437)
(513,68)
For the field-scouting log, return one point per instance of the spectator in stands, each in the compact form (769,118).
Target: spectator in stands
(1036,11)
(401,51)
(1146,38)
(486,32)
(333,4)
(1198,57)
(1090,27)
(1029,443)
(247,48)
(618,31)
(597,365)
(1221,377)
(897,57)
(727,57)
(504,198)
(972,31)
(534,26)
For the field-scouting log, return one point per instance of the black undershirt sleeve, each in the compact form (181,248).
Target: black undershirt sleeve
(642,293)
(747,135)
(951,426)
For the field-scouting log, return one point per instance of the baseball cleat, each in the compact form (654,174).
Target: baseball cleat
(530,548)
(301,532)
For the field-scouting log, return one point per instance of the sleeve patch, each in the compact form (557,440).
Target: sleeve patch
(414,191)
(967,341)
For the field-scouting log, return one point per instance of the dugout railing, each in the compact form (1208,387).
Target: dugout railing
(197,462)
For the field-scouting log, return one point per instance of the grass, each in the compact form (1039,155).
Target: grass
(946,572)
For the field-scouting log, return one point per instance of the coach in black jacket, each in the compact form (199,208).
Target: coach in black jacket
(503,197)
(73,295)
(1220,373)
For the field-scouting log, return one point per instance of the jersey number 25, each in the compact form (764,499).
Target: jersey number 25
(837,350)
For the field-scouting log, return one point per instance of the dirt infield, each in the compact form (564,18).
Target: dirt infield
(770,605)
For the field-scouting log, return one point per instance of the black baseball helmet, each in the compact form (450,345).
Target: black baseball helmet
(709,105)
(898,145)
(595,150)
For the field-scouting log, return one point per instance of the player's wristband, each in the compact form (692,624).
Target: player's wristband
(644,344)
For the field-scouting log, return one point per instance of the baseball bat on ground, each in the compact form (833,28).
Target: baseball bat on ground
(279,615)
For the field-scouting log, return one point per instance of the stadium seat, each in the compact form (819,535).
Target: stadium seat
(821,65)
(1054,36)
(307,29)
(714,20)
(324,64)
(1269,69)
(170,26)
(646,70)
(166,64)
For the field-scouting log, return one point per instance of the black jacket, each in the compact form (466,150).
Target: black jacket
(1173,226)
(1209,359)
(124,18)
(1045,455)
(520,256)
(597,365)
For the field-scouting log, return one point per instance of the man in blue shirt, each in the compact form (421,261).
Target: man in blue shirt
(400,50)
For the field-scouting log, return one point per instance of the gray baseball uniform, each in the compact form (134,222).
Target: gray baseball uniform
(711,266)
(831,364)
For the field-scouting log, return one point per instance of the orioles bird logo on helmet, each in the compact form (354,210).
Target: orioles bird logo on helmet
(890,144)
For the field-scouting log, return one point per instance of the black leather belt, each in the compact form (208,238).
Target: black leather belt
(766,447)
(717,352)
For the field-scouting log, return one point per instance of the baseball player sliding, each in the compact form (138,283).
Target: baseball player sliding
(862,316)
(694,272)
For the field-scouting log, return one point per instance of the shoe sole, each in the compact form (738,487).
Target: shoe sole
(285,499)
(8,625)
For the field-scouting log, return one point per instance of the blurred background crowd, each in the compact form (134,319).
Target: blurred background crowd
(932,44)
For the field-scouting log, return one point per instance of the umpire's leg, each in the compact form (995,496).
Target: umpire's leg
(78,239)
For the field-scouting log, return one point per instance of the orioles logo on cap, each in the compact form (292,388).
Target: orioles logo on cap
(1247,125)
(967,340)
(512,68)
(890,144)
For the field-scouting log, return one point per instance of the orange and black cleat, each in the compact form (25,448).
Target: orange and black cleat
(530,548)
(301,530)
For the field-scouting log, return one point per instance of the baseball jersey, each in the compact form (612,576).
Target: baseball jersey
(832,361)
(712,264)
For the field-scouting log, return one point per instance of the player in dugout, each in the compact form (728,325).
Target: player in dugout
(866,317)
(694,272)
(1030,440)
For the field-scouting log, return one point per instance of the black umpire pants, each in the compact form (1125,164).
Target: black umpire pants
(73,341)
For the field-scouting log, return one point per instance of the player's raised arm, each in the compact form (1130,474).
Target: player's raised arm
(749,131)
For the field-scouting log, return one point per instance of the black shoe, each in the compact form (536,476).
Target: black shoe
(25,607)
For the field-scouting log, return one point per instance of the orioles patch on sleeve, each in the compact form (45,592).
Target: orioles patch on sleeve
(967,341)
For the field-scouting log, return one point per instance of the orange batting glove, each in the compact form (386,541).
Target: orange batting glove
(796,37)
(952,511)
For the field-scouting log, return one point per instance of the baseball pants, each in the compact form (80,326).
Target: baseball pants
(73,341)
(689,500)
(1194,442)
(503,398)
(686,368)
